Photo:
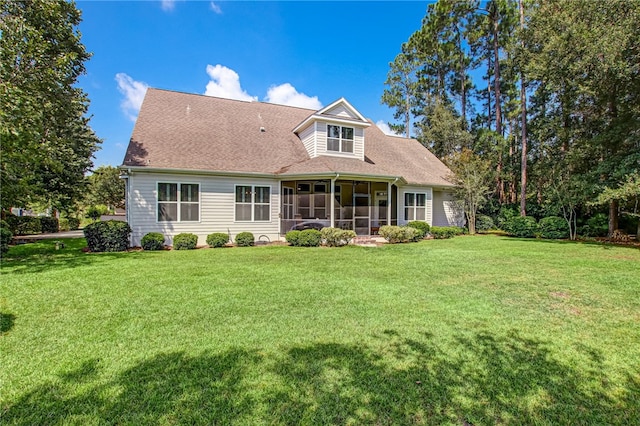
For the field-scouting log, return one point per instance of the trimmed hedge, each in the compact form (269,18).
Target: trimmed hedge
(24,225)
(5,239)
(245,239)
(422,227)
(522,227)
(49,225)
(292,237)
(107,236)
(336,237)
(185,241)
(398,234)
(217,239)
(152,241)
(553,228)
(310,238)
(445,232)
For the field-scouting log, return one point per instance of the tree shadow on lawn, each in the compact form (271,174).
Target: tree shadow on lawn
(474,379)
(606,245)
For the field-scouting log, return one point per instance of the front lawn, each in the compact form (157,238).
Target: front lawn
(473,330)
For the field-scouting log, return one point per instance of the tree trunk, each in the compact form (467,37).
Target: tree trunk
(523,125)
(613,216)
(498,101)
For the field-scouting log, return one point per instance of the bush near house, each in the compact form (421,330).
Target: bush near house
(553,228)
(309,238)
(522,227)
(245,239)
(185,241)
(152,241)
(422,227)
(336,237)
(398,234)
(292,237)
(107,236)
(217,239)
(48,224)
(445,232)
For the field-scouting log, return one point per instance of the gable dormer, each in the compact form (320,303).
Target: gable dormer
(335,130)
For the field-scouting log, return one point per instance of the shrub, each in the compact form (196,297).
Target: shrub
(445,232)
(5,239)
(23,225)
(398,234)
(505,214)
(110,235)
(93,213)
(484,223)
(310,238)
(522,227)
(185,241)
(74,223)
(292,237)
(153,241)
(336,237)
(63,224)
(4,224)
(422,227)
(48,224)
(596,226)
(217,239)
(554,228)
(244,239)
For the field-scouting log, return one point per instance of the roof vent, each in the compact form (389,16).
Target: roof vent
(262,129)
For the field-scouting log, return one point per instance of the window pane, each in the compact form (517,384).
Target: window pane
(333,132)
(189,212)
(243,211)
(420,200)
(167,212)
(167,192)
(333,144)
(409,199)
(420,213)
(347,146)
(347,133)
(243,194)
(262,194)
(261,212)
(189,192)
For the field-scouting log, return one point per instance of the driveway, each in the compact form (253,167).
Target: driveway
(63,234)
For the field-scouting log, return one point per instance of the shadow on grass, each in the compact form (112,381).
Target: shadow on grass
(474,379)
(6,322)
(603,244)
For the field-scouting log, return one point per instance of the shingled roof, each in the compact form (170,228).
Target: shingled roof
(182,131)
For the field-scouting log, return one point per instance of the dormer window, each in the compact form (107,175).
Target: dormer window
(339,139)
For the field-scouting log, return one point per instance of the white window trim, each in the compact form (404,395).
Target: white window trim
(253,203)
(340,139)
(178,202)
(427,198)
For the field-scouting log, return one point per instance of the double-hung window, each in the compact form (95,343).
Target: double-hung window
(339,139)
(178,202)
(415,206)
(253,203)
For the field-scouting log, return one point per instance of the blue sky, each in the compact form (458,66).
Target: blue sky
(292,52)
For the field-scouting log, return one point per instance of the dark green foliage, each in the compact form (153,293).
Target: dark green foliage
(217,239)
(553,228)
(292,237)
(522,227)
(94,212)
(63,224)
(185,241)
(398,234)
(596,226)
(48,224)
(336,237)
(4,224)
(309,238)
(505,214)
(74,223)
(110,235)
(24,225)
(153,241)
(5,239)
(422,227)
(445,232)
(484,223)
(244,239)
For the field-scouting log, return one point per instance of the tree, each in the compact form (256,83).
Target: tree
(472,177)
(106,187)
(401,92)
(627,193)
(47,144)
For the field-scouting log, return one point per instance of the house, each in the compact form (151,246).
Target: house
(202,164)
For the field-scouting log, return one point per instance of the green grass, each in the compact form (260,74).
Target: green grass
(473,330)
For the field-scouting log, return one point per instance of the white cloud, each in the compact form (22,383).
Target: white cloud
(215,8)
(225,83)
(286,94)
(133,92)
(168,5)
(386,129)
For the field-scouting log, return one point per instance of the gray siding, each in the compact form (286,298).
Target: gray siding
(446,211)
(321,141)
(308,138)
(217,207)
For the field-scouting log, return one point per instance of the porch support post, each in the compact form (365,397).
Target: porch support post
(388,203)
(332,203)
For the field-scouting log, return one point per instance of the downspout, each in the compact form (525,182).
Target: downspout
(333,200)
(389,185)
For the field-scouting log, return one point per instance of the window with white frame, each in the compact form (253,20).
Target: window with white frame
(178,202)
(415,206)
(339,139)
(253,203)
